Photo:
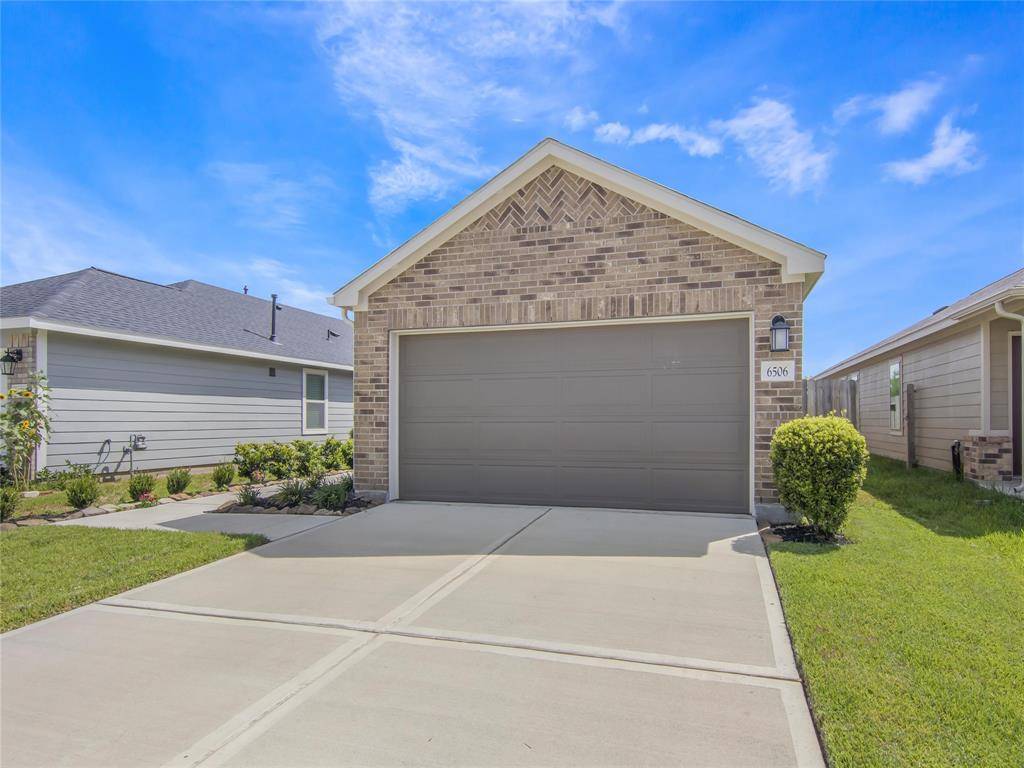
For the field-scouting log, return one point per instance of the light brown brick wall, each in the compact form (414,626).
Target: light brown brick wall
(565,249)
(988,457)
(26,341)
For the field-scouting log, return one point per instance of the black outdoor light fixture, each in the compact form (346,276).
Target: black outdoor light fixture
(9,362)
(780,334)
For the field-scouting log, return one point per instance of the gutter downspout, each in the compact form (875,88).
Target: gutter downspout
(1003,312)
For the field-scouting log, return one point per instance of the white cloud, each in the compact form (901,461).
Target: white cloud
(897,111)
(954,151)
(611,133)
(267,198)
(431,76)
(579,118)
(48,230)
(692,142)
(281,279)
(770,137)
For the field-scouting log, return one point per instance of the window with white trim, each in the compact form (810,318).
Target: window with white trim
(314,401)
(896,395)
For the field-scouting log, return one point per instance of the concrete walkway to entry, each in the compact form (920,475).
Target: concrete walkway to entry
(429,634)
(195,515)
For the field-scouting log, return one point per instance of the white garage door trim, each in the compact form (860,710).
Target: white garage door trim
(394,487)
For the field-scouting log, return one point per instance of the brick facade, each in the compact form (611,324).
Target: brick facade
(565,249)
(988,457)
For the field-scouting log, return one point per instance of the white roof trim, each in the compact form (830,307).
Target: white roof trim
(799,263)
(159,341)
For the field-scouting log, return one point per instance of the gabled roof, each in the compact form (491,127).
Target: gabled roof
(799,263)
(1004,289)
(188,314)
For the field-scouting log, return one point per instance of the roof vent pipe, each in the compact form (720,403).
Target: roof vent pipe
(1003,312)
(273,316)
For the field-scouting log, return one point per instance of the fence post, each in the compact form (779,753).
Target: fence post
(911,453)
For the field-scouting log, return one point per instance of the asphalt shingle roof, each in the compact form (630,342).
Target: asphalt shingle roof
(188,311)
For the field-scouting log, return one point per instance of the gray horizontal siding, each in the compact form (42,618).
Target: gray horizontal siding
(946,374)
(193,407)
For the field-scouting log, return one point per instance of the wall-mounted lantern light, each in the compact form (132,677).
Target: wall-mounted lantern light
(9,362)
(780,334)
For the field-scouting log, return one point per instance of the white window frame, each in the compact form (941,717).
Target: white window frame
(898,361)
(325,401)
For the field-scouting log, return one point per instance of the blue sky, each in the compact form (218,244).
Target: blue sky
(289,146)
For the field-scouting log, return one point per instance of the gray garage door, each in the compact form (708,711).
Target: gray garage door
(652,416)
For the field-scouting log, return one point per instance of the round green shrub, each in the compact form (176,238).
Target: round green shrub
(9,496)
(82,491)
(223,475)
(178,479)
(820,463)
(140,485)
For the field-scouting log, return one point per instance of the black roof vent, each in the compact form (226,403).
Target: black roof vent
(944,306)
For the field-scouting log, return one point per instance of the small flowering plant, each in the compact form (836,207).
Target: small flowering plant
(147,499)
(24,426)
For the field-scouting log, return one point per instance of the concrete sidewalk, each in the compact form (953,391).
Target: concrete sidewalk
(193,515)
(429,634)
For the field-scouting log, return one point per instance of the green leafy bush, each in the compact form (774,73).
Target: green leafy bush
(291,493)
(9,496)
(223,475)
(820,463)
(248,495)
(82,491)
(140,485)
(333,496)
(253,460)
(282,460)
(178,479)
(337,454)
(309,461)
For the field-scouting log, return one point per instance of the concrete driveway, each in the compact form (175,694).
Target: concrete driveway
(429,634)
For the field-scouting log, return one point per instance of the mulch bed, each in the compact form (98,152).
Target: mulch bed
(806,533)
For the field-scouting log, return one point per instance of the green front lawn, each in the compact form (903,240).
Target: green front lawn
(911,638)
(49,569)
(113,492)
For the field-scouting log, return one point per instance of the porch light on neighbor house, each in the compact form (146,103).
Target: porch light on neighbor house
(9,362)
(780,334)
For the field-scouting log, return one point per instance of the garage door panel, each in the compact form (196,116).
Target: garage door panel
(606,392)
(694,391)
(530,439)
(701,441)
(496,392)
(421,439)
(649,416)
(705,489)
(589,439)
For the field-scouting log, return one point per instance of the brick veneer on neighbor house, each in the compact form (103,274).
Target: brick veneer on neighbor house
(988,457)
(565,249)
(25,341)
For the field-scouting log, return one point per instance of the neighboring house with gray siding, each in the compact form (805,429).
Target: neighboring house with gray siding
(192,367)
(962,365)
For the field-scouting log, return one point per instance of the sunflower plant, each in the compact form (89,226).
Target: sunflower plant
(24,425)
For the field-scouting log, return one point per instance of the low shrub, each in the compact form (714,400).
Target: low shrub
(337,454)
(248,495)
(51,479)
(178,480)
(309,461)
(820,463)
(140,484)
(281,460)
(9,496)
(291,493)
(223,475)
(82,491)
(333,496)
(252,459)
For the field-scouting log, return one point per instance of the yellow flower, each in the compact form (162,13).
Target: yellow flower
(3,396)
(25,424)
(27,393)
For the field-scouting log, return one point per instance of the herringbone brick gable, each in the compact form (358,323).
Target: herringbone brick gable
(557,198)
